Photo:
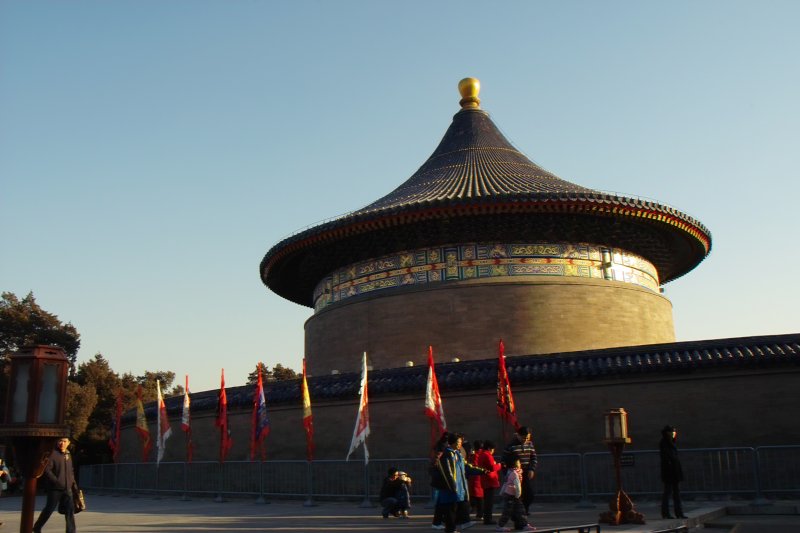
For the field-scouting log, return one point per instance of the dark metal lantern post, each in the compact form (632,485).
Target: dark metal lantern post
(34,415)
(621,509)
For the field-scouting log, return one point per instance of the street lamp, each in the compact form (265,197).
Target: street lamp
(34,415)
(621,509)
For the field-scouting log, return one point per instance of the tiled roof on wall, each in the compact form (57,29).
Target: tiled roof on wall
(771,351)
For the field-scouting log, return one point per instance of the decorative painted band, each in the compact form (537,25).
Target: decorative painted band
(484,261)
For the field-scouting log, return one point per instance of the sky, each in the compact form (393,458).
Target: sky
(152,152)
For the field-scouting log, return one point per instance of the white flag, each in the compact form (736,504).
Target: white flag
(164,430)
(433,400)
(361,430)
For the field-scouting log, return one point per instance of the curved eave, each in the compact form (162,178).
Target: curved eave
(679,225)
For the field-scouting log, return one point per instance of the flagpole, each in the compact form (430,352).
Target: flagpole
(185,496)
(186,427)
(310,479)
(366,503)
(219,498)
(307,423)
(256,437)
(158,494)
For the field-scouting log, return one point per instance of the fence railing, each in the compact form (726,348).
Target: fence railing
(747,472)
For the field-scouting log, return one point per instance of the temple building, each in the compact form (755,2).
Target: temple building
(480,244)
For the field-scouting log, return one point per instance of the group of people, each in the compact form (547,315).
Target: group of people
(466,478)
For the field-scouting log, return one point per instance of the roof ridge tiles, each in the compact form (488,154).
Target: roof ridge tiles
(524,370)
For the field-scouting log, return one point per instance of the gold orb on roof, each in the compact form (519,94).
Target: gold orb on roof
(469,89)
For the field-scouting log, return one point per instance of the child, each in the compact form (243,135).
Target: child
(511,492)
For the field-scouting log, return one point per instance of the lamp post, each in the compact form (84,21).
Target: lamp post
(621,509)
(35,415)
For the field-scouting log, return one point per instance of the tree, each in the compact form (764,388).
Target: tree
(148,383)
(23,322)
(278,373)
(81,403)
(98,375)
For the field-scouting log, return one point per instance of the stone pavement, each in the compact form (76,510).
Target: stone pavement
(146,514)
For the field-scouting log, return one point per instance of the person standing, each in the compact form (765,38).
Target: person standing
(474,482)
(452,503)
(60,478)
(5,477)
(435,469)
(489,481)
(522,448)
(671,472)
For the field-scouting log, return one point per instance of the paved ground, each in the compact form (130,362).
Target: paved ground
(125,514)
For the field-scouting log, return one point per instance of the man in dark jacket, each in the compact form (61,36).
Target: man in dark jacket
(60,483)
(522,448)
(671,472)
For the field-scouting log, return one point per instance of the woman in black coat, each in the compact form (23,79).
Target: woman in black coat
(671,472)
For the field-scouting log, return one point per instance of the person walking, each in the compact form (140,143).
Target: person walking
(60,478)
(512,505)
(522,448)
(671,472)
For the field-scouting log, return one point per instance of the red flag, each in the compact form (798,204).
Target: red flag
(361,431)
(308,420)
(164,429)
(186,422)
(141,426)
(433,401)
(225,441)
(505,401)
(114,440)
(260,419)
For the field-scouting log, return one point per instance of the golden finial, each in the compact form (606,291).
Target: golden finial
(469,89)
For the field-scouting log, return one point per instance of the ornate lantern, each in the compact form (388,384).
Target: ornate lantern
(35,408)
(621,509)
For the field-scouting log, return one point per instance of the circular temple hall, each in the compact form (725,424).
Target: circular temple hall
(479,244)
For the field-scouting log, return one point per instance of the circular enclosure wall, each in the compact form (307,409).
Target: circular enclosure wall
(465,319)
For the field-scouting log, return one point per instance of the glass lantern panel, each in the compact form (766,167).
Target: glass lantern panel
(48,402)
(19,403)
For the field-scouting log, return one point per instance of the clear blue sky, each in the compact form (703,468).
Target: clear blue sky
(151,152)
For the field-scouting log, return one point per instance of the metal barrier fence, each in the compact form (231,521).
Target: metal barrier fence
(747,472)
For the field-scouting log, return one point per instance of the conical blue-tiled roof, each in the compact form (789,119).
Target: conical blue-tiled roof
(476,187)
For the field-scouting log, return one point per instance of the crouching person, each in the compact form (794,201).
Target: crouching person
(395,495)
